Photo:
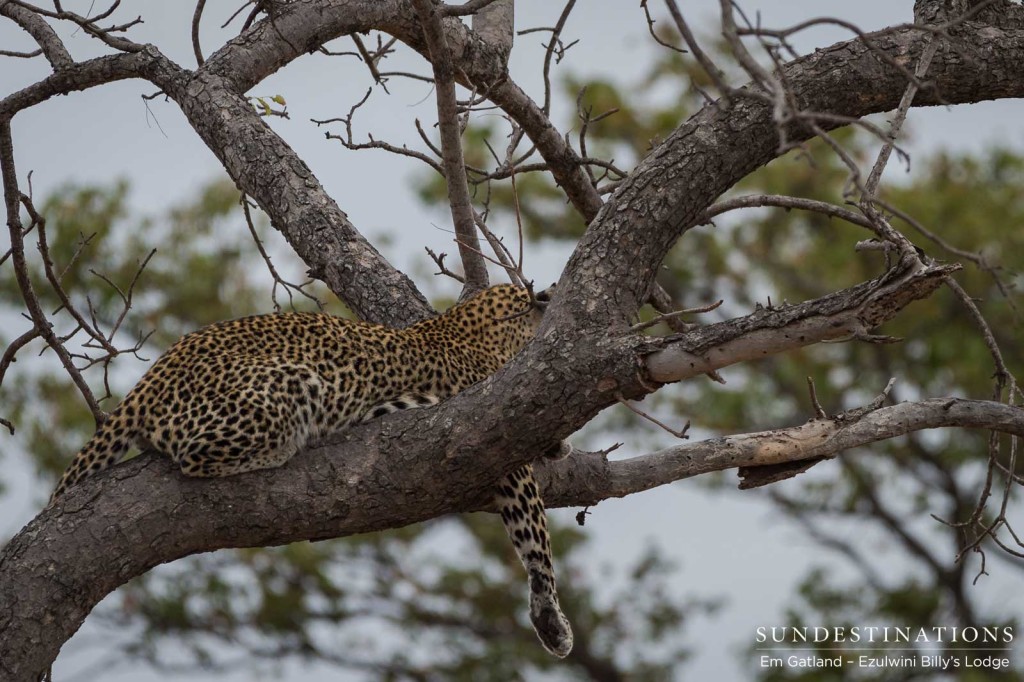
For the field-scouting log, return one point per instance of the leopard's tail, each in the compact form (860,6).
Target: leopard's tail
(111,442)
(522,511)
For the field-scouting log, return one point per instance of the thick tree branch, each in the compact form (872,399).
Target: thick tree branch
(47,39)
(92,543)
(267,169)
(370,478)
(850,313)
(586,478)
(80,76)
(495,24)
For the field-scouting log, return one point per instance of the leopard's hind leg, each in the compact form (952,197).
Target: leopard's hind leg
(256,422)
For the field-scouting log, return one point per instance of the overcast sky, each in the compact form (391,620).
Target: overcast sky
(737,546)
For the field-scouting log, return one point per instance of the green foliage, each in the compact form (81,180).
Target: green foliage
(972,204)
(388,604)
(196,275)
(393,603)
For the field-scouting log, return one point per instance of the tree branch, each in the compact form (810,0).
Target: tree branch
(614,262)
(372,477)
(267,169)
(585,478)
(69,557)
(12,201)
(80,76)
(47,39)
(495,24)
(473,264)
(850,313)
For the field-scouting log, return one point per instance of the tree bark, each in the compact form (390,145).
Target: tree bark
(418,465)
(401,469)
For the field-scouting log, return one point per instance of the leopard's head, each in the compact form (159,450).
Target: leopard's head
(503,318)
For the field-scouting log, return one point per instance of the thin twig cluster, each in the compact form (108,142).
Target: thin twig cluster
(97,345)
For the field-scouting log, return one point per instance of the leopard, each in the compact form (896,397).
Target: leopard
(248,394)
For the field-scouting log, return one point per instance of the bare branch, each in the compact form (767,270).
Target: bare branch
(710,68)
(451,148)
(470,7)
(20,55)
(88,24)
(678,433)
(896,124)
(819,411)
(1001,372)
(288,287)
(582,478)
(787,202)
(371,60)
(850,313)
(442,269)
(9,356)
(96,339)
(77,76)
(976,258)
(675,315)
(348,142)
(512,267)
(555,48)
(47,39)
(196,18)
(757,72)
(12,197)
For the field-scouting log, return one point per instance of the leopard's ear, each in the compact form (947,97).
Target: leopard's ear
(544,297)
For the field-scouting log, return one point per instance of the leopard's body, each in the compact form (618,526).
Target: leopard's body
(249,393)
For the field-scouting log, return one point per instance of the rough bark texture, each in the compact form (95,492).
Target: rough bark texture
(372,478)
(586,478)
(267,169)
(122,523)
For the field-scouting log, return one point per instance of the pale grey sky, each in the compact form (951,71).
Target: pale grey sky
(737,545)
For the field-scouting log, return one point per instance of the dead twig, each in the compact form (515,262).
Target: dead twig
(442,269)
(348,142)
(288,287)
(196,18)
(716,75)
(373,59)
(554,49)
(89,25)
(681,433)
(675,315)
(819,411)
(12,197)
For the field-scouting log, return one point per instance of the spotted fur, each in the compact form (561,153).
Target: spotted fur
(248,394)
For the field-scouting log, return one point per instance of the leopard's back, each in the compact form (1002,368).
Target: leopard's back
(248,394)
